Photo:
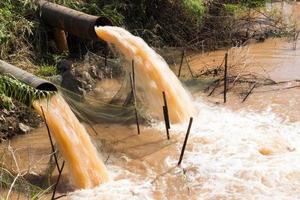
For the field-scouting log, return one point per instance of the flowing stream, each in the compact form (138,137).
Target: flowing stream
(235,150)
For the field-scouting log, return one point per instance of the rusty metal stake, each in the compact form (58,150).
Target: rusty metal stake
(60,169)
(252,88)
(212,91)
(132,84)
(181,63)
(51,141)
(225,77)
(57,181)
(189,67)
(166,121)
(185,141)
(133,74)
(166,115)
(63,195)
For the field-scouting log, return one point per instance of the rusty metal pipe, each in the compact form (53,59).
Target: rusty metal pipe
(72,21)
(25,77)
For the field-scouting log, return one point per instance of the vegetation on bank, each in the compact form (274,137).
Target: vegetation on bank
(159,22)
(198,24)
(26,43)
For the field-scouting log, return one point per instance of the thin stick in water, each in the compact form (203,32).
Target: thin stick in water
(189,67)
(185,141)
(132,78)
(165,111)
(166,115)
(225,76)
(181,62)
(61,196)
(133,75)
(51,141)
(215,87)
(252,88)
(57,181)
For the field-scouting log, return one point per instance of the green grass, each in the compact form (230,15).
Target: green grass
(19,91)
(18,184)
(6,102)
(196,8)
(47,70)
(235,9)
(14,27)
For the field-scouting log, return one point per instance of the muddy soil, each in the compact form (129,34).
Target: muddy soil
(19,120)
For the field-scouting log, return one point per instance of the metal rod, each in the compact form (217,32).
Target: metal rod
(134,102)
(133,74)
(212,91)
(51,141)
(185,141)
(252,88)
(134,96)
(189,67)
(166,115)
(165,111)
(57,181)
(63,195)
(181,62)
(225,77)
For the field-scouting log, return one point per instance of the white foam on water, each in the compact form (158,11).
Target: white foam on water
(230,155)
(122,189)
(225,150)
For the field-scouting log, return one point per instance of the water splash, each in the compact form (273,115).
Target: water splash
(85,166)
(230,155)
(153,74)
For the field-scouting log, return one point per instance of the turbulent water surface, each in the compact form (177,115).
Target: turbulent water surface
(235,150)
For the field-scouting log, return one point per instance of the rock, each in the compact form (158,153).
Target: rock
(24,128)
(88,77)
(89,87)
(82,91)
(2,119)
(5,112)
(93,72)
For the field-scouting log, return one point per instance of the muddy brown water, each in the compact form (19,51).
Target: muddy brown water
(274,59)
(150,157)
(236,151)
